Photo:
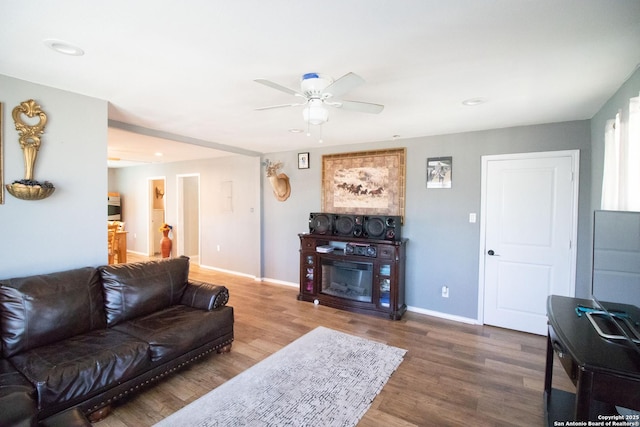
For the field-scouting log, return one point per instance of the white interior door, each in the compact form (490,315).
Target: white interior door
(530,224)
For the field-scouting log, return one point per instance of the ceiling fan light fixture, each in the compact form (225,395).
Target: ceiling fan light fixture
(319,91)
(315,113)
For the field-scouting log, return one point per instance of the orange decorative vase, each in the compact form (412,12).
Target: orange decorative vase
(165,244)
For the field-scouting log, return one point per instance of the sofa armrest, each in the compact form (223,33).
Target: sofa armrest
(205,296)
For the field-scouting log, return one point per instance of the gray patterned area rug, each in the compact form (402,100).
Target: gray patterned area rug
(324,378)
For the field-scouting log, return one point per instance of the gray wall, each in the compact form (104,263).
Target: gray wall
(443,246)
(67,229)
(236,232)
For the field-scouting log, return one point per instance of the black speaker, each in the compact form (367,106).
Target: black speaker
(320,223)
(347,225)
(382,227)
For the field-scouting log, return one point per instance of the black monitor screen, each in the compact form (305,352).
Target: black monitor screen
(616,276)
(616,257)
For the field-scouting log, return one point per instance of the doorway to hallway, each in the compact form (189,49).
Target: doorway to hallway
(188,219)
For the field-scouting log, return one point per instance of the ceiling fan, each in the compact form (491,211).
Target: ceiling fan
(317,91)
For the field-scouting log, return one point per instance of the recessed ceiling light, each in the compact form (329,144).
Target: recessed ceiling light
(296,130)
(472,102)
(159,154)
(63,47)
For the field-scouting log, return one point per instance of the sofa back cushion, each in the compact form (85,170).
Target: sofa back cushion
(136,289)
(42,309)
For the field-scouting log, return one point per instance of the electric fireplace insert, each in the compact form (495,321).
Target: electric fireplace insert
(347,279)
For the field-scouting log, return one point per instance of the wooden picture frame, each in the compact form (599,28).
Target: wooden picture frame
(365,182)
(303,160)
(439,172)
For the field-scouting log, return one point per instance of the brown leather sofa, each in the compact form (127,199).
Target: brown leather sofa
(83,338)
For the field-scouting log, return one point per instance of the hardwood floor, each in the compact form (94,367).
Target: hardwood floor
(453,374)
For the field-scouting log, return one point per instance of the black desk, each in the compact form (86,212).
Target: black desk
(604,372)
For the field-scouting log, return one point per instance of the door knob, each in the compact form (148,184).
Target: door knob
(491,252)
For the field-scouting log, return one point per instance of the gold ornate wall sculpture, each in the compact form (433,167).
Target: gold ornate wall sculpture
(28,188)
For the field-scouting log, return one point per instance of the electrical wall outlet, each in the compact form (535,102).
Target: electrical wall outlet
(445,291)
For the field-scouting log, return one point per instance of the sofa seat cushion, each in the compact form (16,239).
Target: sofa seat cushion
(11,380)
(17,398)
(76,368)
(178,329)
(18,410)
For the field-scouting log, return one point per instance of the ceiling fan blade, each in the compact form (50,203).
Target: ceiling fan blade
(278,87)
(270,107)
(343,85)
(363,107)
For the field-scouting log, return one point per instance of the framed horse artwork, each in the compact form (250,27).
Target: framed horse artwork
(365,182)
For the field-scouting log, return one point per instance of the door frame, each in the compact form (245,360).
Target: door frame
(180,213)
(150,196)
(575,159)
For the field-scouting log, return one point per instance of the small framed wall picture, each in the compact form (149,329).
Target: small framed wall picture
(303,160)
(439,171)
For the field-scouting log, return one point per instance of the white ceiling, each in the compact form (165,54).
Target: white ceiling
(185,70)
(132,149)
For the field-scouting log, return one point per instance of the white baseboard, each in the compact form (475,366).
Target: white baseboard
(235,273)
(409,308)
(137,253)
(280,282)
(443,315)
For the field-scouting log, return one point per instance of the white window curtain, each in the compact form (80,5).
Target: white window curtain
(621,173)
(611,172)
